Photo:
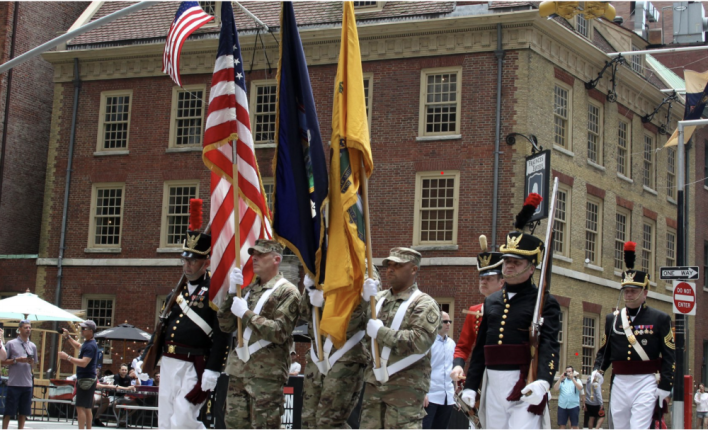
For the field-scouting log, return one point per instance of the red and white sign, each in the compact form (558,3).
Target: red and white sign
(684,298)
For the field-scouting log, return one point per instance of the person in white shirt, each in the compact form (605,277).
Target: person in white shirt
(701,400)
(295,367)
(439,400)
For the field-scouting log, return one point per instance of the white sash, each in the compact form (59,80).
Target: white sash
(253,348)
(196,319)
(630,337)
(327,362)
(384,372)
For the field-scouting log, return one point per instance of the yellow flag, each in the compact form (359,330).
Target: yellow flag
(351,159)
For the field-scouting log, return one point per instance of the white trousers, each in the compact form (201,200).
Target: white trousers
(174,411)
(500,413)
(632,401)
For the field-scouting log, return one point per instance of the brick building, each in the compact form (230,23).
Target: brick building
(121,252)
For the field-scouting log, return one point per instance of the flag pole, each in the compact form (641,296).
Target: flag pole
(369,252)
(317,334)
(237,231)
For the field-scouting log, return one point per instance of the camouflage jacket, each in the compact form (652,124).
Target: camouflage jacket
(359,352)
(416,335)
(275,324)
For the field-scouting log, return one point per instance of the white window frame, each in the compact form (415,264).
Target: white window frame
(216,22)
(100,139)
(269,189)
(626,167)
(652,249)
(599,157)
(92,215)
(369,88)
(253,103)
(595,254)
(565,242)
(107,346)
(417,219)
(587,369)
(670,247)
(173,115)
(562,340)
(651,162)
(568,137)
(450,301)
(422,123)
(671,172)
(618,256)
(582,23)
(368,9)
(637,61)
(165,208)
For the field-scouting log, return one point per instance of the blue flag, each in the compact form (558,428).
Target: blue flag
(301,181)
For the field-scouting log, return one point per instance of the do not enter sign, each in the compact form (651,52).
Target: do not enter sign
(684,298)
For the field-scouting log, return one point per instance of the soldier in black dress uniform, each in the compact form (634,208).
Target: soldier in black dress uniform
(638,342)
(194,349)
(501,357)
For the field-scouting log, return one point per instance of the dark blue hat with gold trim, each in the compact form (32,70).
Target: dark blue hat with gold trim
(632,277)
(196,245)
(522,245)
(488,263)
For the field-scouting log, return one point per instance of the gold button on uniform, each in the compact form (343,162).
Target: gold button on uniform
(174,328)
(503,323)
(180,315)
(507,305)
(500,342)
(172,335)
(504,316)
(177,322)
(501,329)
(501,336)
(629,358)
(506,310)
(629,352)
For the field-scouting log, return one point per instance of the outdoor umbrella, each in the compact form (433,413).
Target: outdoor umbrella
(124,332)
(30,306)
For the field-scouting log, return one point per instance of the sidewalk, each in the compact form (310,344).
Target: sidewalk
(46,425)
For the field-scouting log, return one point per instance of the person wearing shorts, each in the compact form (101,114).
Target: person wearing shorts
(569,390)
(21,356)
(701,400)
(85,370)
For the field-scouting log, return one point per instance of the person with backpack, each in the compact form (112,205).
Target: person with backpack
(569,390)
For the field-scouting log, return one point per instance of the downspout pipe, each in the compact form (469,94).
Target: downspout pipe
(65,211)
(497,135)
(6,116)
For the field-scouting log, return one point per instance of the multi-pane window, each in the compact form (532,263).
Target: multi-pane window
(637,61)
(436,208)
(560,226)
(594,137)
(176,211)
(589,343)
(670,248)
(592,229)
(269,187)
(647,261)
(364,4)
(189,112)
(581,25)
(115,120)
(368,96)
(648,168)
(561,99)
(671,172)
(622,224)
(208,6)
(107,211)
(561,337)
(100,309)
(447,304)
(440,109)
(263,108)
(623,148)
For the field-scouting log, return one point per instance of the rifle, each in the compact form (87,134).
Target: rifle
(153,350)
(543,286)
(470,412)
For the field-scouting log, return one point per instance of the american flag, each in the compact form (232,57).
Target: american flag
(189,17)
(228,117)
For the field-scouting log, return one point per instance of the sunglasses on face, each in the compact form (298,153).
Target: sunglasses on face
(446,321)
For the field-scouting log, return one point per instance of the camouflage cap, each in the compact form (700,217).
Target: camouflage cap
(265,246)
(403,255)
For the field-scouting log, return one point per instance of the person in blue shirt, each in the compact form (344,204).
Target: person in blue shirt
(85,370)
(439,400)
(569,390)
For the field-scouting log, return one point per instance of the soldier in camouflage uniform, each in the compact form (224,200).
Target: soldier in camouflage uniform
(394,393)
(328,400)
(255,395)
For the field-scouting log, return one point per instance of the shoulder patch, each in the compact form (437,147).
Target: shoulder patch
(432,317)
(293,308)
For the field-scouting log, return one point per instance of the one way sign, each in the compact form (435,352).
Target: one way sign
(679,273)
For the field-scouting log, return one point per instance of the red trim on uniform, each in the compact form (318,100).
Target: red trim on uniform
(636,367)
(468,335)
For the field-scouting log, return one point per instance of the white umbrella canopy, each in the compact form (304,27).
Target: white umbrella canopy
(30,306)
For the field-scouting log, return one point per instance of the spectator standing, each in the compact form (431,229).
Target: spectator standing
(3,351)
(439,400)
(594,405)
(701,400)
(20,359)
(85,371)
(295,367)
(568,398)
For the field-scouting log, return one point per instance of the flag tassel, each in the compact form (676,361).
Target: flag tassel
(369,252)
(237,231)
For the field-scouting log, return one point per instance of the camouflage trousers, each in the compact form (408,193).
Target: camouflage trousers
(391,408)
(328,401)
(254,403)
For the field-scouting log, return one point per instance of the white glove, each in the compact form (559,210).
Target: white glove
(469,397)
(372,328)
(209,378)
(371,287)
(594,375)
(239,307)
(539,388)
(236,278)
(308,282)
(316,296)
(661,395)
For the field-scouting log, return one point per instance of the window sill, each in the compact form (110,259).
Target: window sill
(618,273)
(435,248)
(705,187)
(183,149)
(107,360)
(650,190)
(627,179)
(671,200)
(264,146)
(705,289)
(169,250)
(594,267)
(564,151)
(596,166)
(562,258)
(111,153)
(438,138)
(669,287)
(102,250)
(653,284)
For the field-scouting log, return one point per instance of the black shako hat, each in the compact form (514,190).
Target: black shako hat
(519,244)
(488,263)
(196,245)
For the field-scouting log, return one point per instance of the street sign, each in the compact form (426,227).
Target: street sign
(538,180)
(684,298)
(678,273)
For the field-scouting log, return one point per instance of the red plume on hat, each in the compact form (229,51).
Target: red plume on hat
(629,254)
(530,204)
(195,214)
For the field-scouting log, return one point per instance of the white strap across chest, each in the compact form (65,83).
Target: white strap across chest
(196,319)
(630,337)
(257,310)
(327,349)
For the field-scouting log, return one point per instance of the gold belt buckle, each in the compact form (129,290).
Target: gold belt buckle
(170,349)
